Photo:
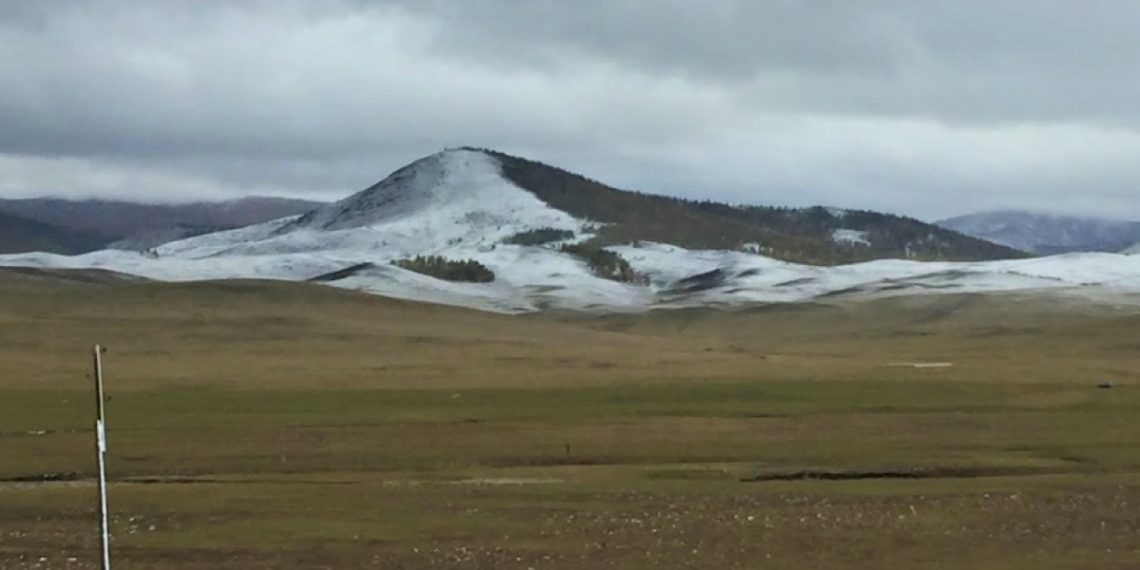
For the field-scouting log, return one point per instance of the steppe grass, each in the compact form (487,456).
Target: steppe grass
(761,439)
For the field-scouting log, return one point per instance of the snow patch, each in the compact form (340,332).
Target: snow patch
(850,237)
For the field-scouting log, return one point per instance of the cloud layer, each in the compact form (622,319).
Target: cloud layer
(931,109)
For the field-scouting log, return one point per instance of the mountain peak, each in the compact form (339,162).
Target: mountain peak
(451,175)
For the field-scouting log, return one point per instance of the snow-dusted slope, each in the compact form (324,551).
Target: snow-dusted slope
(461,192)
(453,204)
(456,204)
(1047,233)
(688,278)
(1132,250)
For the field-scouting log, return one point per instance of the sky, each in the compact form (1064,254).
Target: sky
(922,107)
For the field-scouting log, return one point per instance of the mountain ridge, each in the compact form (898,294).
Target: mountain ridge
(20,234)
(1048,233)
(136,225)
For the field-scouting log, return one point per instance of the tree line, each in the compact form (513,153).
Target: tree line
(467,270)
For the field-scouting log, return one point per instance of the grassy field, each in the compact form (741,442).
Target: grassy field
(271,425)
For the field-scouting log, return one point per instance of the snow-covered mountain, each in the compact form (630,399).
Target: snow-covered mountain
(1047,234)
(461,205)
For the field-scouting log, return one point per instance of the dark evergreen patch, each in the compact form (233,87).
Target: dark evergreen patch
(468,271)
(539,236)
(605,263)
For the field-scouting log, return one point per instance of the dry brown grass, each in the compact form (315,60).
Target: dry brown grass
(282,335)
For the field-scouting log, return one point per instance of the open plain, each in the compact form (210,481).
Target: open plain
(257,424)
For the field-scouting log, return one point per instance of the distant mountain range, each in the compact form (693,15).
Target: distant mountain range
(490,231)
(1048,234)
(19,234)
(77,226)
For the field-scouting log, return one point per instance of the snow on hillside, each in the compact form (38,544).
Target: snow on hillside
(1047,234)
(850,237)
(462,191)
(687,278)
(453,204)
(456,204)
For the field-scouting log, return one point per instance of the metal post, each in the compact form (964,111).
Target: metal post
(101,452)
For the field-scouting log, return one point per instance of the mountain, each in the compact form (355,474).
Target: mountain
(19,234)
(139,226)
(493,232)
(812,235)
(1047,234)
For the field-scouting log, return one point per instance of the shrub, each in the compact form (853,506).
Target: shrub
(469,271)
(539,236)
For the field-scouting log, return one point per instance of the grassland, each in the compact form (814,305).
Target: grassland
(271,425)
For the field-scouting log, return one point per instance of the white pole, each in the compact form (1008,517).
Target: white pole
(101,452)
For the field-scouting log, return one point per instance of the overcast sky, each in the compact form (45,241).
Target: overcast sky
(929,108)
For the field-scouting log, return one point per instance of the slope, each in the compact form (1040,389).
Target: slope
(1047,234)
(821,236)
(18,234)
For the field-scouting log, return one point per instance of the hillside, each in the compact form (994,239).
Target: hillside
(131,225)
(1047,234)
(18,234)
(819,236)
(579,245)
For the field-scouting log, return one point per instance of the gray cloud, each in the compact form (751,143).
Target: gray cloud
(933,108)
